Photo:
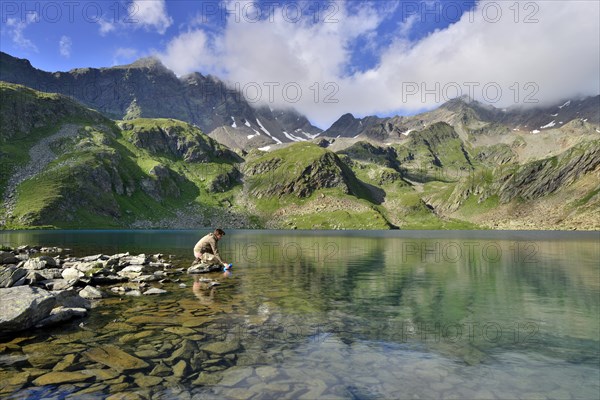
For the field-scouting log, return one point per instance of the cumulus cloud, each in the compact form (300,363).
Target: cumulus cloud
(548,51)
(147,14)
(64,46)
(151,14)
(15,28)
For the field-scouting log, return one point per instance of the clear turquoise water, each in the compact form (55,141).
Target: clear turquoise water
(366,315)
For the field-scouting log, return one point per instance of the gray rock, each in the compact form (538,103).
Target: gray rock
(155,291)
(33,277)
(203,268)
(58,284)
(134,293)
(72,273)
(8,258)
(71,299)
(146,278)
(135,260)
(50,262)
(90,292)
(51,273)
(11,274)
(34,264)
(23,307)
(92,258)
(133,269)
(60,314)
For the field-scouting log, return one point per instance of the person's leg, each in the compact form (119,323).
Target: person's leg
(209,259)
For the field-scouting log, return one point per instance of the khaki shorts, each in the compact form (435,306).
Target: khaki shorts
(207,258)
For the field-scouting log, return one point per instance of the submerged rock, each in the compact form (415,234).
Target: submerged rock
(60,314)
(115,358)
(155,291)
(57,377)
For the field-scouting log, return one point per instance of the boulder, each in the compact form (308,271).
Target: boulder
(34,264)
(72,273)
(23,307)
(51,273)
(203,268)
(8,258)
(90,292)
(50,262)
(11,274)
(71,299)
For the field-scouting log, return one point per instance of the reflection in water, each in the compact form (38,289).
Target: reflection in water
(348,315)
(203,290)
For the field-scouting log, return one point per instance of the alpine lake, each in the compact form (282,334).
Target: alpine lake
(329,315)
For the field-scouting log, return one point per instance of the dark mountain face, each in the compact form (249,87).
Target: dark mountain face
(349,126)
(146,88)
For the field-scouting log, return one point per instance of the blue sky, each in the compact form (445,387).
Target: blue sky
(326,58)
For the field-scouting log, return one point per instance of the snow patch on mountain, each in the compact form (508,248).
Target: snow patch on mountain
(262,128)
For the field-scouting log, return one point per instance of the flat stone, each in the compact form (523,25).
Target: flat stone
(101,374)
(134,293)
(222,347)
(179,330)
(58,377)
(155,291)
(161,370)
(147,381)
(207,379)
(129,337)
(233,376)
(266,372)
(65,363)
(180,368)
(13,378)
(147,353)
(115,358)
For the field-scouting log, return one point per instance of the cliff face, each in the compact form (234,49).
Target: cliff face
(147,89)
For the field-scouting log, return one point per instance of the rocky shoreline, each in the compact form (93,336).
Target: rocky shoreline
(39,290)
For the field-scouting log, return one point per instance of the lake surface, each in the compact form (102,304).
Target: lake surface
(348,315)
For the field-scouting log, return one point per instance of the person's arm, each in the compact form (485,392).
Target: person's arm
(213,245)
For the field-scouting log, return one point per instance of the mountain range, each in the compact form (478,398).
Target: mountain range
(136,146)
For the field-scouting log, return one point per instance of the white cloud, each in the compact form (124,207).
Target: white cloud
(147,14)
(125,55)
(15,28)
(151,14)
(106,27)
(190,52)
(556,57)
(64,46)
